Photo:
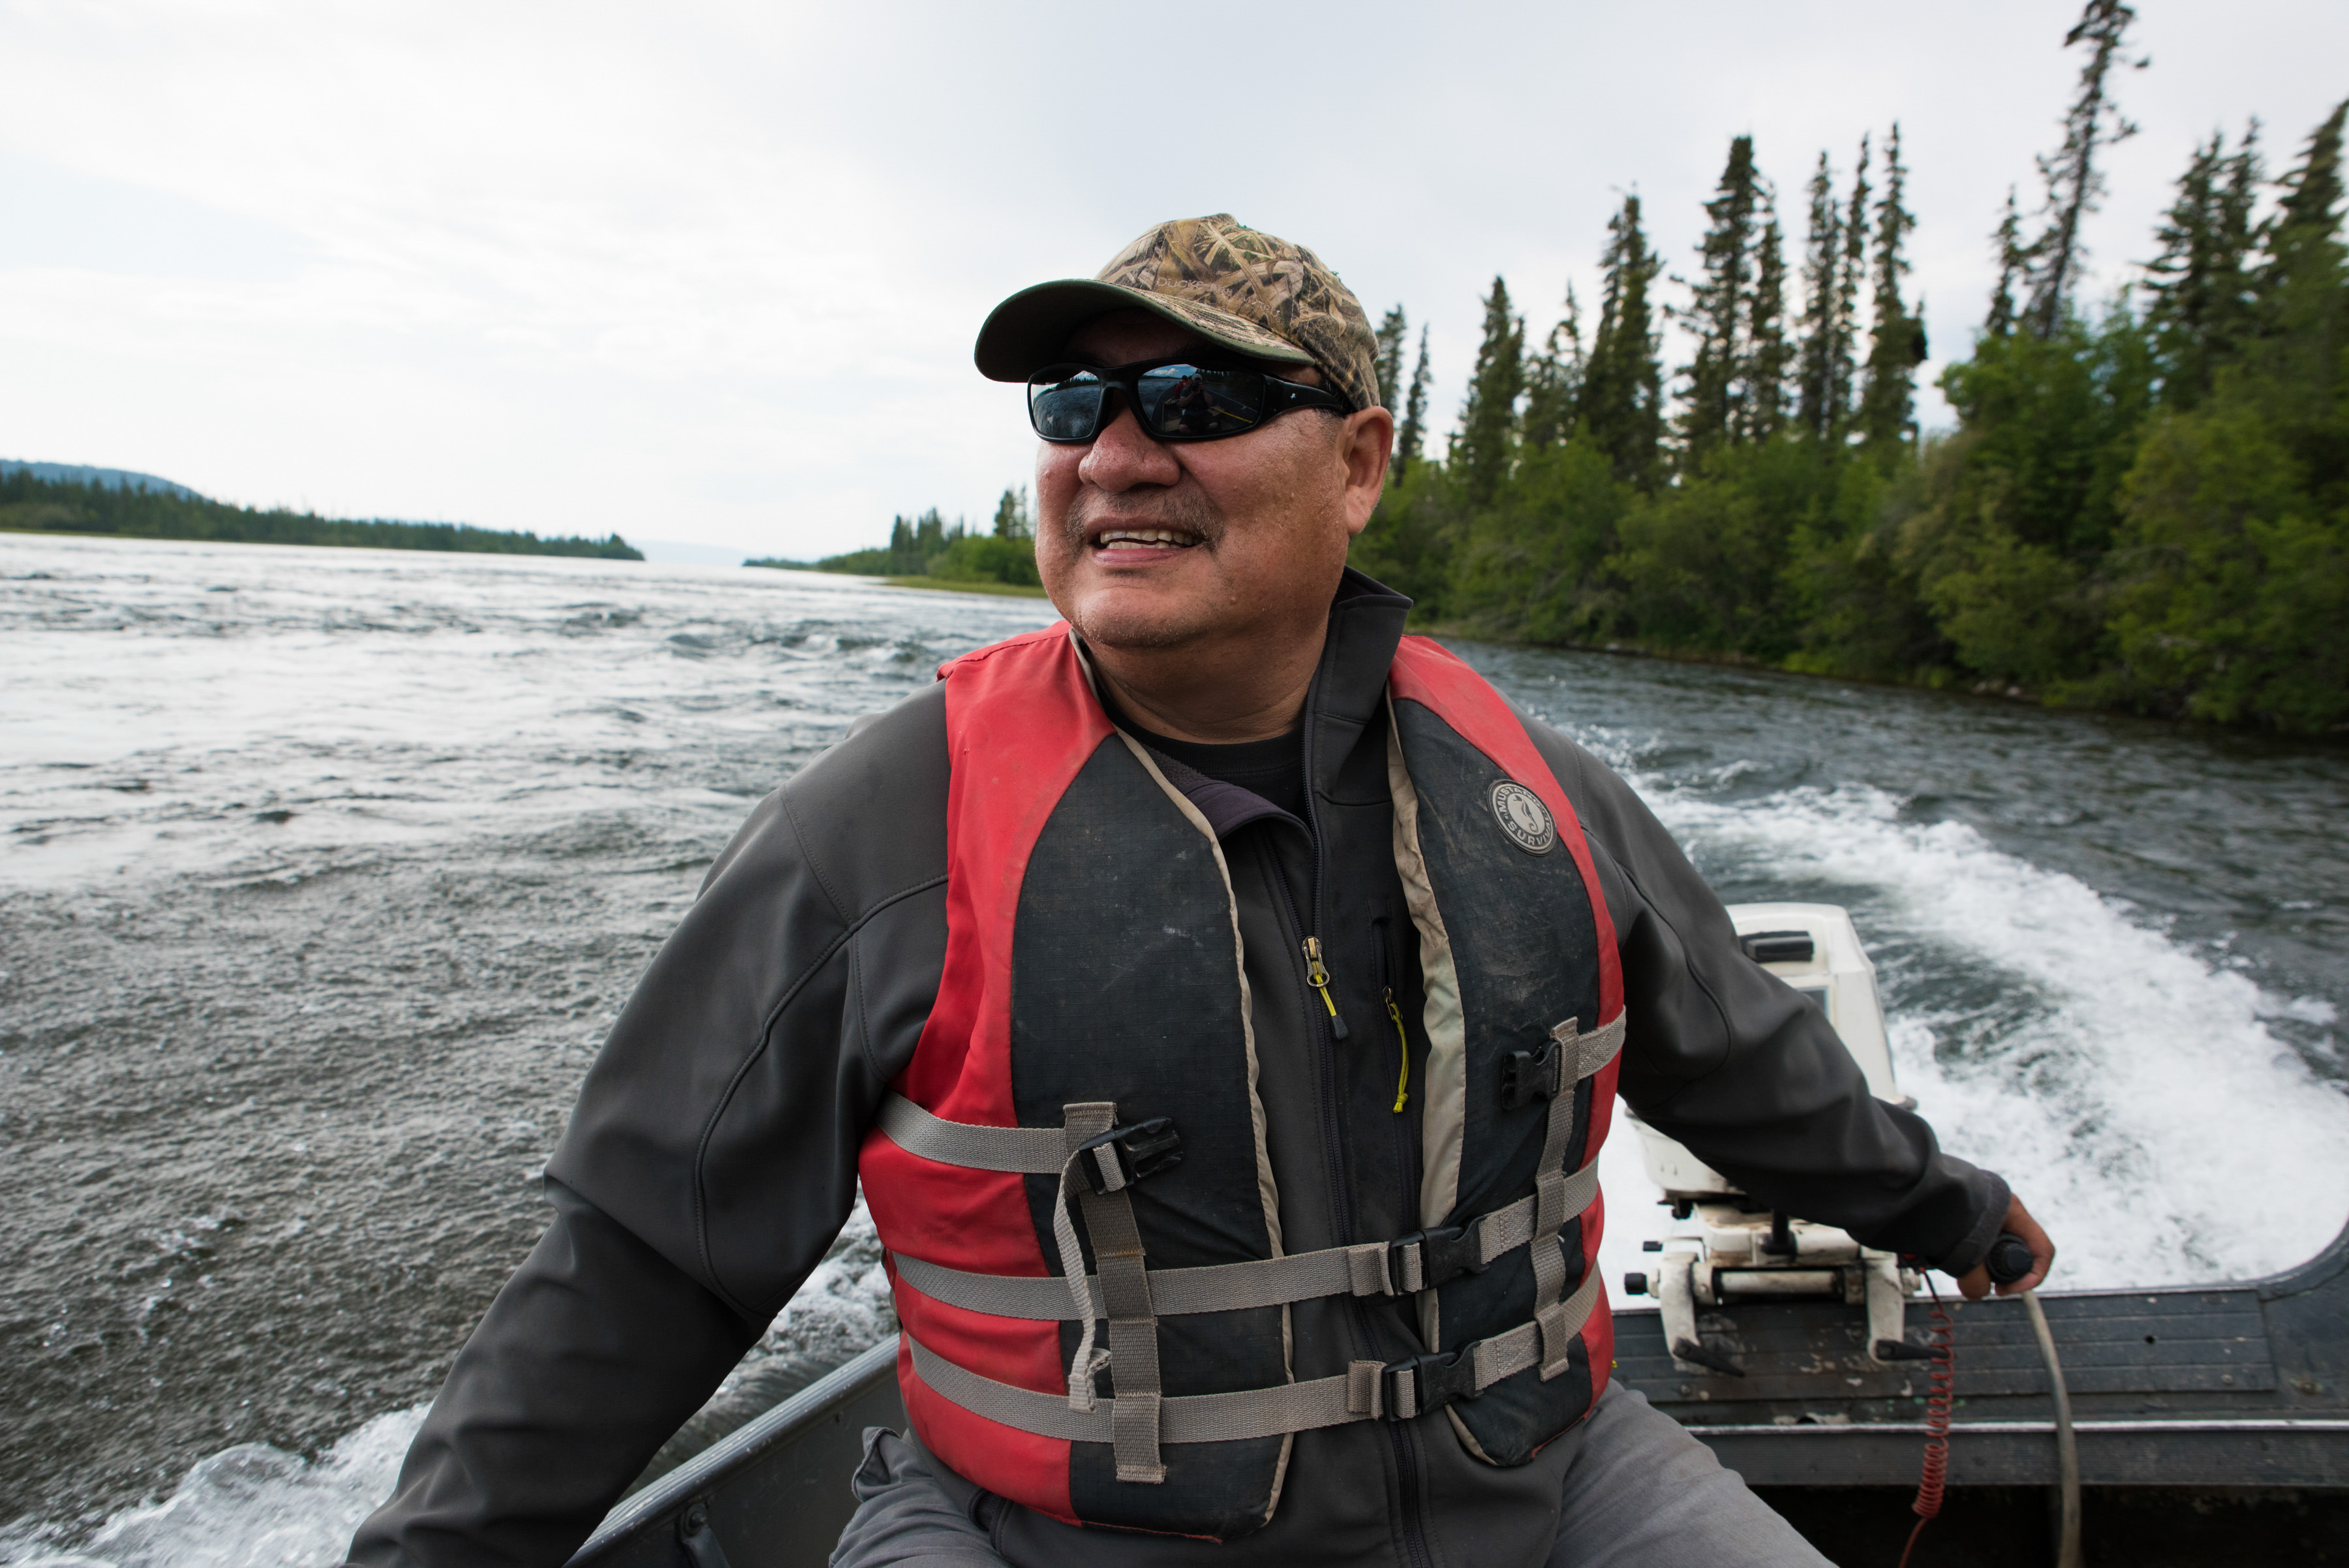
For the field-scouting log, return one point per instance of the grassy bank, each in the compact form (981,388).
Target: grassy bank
(948,585)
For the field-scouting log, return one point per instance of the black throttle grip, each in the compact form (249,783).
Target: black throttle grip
(2010,1259)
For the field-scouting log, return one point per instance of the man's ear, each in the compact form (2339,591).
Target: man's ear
(1366,441)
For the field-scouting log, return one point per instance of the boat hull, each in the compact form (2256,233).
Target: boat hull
(2212,1425)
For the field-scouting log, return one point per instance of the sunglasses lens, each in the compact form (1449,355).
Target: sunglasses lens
(1065,406)
(1194,402)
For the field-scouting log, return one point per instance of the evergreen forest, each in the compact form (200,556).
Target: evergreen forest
(929,548)
(33,506)
(2143,505)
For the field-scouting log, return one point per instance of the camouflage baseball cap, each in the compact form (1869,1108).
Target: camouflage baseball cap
(1243,290)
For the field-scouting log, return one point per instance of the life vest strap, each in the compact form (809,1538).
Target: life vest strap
(1554,1201)
(1041,1151)
(1370,1269)
(1033,1151)
(1088,1129)
(1396,1391)
(1132,1296)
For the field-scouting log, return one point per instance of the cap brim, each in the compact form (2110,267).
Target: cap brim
(1030,329)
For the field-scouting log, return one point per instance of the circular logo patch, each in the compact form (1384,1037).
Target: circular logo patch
(1524,817)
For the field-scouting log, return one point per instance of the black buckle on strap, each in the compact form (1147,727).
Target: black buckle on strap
(1435,1381)
(1530,1076)
(1444,1254)
(1142,1149)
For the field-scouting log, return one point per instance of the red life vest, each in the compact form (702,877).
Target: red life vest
(1084,1093)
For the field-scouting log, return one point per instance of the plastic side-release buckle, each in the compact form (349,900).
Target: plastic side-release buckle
(1530,1076)
(1426,1259)
(1116,1159)
(1433,1382)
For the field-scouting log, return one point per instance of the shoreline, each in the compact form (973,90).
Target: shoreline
(34,531)
(1987,691)
(946,585)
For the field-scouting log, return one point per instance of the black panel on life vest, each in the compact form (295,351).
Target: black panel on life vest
(1125,987)
(1525,948)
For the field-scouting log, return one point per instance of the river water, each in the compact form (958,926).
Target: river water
(325,870)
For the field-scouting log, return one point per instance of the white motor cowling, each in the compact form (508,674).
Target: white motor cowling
(1728,1251)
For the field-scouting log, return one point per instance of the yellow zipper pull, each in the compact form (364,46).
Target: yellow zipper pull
(1318,978)
(1402,1079)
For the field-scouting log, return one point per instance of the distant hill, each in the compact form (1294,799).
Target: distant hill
(65,498)
(82,473)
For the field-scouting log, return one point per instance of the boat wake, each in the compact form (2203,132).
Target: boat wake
(250,1506)
(2133,1089)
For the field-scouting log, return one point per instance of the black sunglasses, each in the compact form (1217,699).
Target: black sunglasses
(1174,400)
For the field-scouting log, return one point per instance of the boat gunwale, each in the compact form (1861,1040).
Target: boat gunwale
(658,1502)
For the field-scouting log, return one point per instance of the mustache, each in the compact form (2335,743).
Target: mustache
(1173,509)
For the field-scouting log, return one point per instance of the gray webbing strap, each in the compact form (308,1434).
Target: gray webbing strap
(1354,1395)
(1085,1362)
(1587,1054)
(1035,1152)
(1041,1298)
(1191,1418)
(1515,1226)
(1527,1344)
(1357,1271)
(1124,1290)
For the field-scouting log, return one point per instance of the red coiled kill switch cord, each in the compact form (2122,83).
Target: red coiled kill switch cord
(1930,1485)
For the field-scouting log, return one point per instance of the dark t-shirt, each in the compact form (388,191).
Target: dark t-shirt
(1272,770)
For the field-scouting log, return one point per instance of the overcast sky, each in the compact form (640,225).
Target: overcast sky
(710,272)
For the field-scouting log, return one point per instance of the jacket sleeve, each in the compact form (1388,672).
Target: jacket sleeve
(558,1401)
(709,1162)
(1728,1059)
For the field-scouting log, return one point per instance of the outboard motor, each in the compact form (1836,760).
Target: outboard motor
(1724,1249)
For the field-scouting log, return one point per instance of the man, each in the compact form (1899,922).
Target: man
(1222,999)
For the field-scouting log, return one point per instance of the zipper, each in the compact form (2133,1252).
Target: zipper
(1333,1129)
(1404,1446)
(1384,974)
(1316,975)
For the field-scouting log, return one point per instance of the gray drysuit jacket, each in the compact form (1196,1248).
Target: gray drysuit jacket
(712,1156)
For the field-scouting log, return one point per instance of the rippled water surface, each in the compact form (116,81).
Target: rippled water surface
(324,871)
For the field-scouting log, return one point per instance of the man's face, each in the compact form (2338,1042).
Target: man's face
(1144,544)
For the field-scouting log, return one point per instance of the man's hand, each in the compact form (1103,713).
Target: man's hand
(1975,1281)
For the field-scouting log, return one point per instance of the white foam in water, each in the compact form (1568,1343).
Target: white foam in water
(2138,1104)
(251,1506)
(845,1304)
(2134,1094)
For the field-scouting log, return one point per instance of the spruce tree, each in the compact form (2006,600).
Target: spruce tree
(1011,517)
(2073,183)
(1888,401)
(1770,356)
(1390,340)
(1412,432)
(1849,280)
(1719,310)
(2302,297)
(1554,380)
(2202,311)
(2313,191)
(1486,444)
(1822,329)
(2013,271)
(1622,389)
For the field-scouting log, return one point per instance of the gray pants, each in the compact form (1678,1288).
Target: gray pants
(1642,1494)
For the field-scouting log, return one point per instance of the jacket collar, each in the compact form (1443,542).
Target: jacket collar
(1349,687)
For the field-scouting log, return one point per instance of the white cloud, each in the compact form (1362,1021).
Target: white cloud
(711,272)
